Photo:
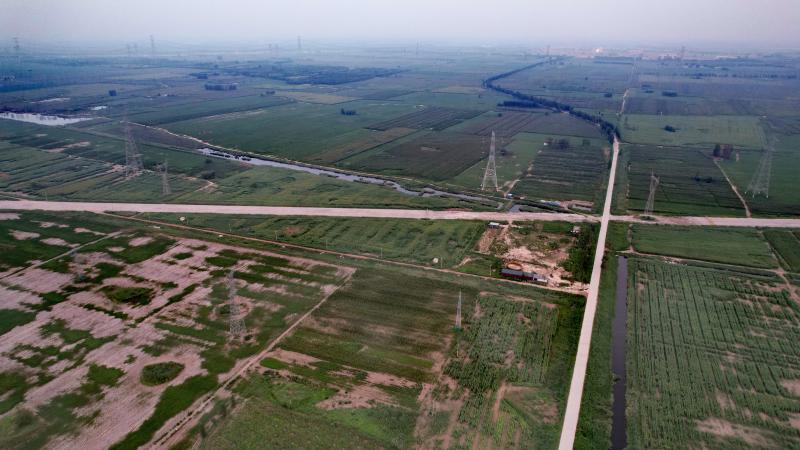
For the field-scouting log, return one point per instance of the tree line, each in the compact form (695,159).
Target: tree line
(530,101)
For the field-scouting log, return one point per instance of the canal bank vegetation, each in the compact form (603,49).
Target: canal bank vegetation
(594,424)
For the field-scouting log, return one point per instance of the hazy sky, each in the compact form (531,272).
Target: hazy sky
(591,22)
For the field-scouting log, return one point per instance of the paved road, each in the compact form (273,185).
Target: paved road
(572,411)
(30,205)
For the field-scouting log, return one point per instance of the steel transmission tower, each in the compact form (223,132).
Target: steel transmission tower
(152,46)
(648,208)
(490,175)
(759,184)
(133,159)
(165,189)
(236,323)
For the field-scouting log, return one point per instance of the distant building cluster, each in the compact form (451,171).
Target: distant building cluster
(221,86)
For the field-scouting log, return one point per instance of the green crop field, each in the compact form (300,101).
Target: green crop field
(512,161)
(784,198)
(694,131)
(358,363)
(689,182)
(712,358)
(416,241)
(296,130)
(786,245)
(435,156)
(739,246)
(284,187)
(575,172)
(207,108)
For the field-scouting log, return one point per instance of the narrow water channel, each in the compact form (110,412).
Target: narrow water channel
(619,423)
(427,192)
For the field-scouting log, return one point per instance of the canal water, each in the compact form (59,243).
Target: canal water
(619,423)
(427,192)
(42,119)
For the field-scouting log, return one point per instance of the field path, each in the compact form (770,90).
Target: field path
(35,205)
(572,411)
(735,190)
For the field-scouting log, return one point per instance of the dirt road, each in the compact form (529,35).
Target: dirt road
(287,211)
(31,205)
(572,411)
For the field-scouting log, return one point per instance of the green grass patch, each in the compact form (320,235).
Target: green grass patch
(130,295)
(738,246)
(160,373)
(10,318)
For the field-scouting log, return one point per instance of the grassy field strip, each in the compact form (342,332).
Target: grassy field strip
(572,411)
(333,252)
(195,413)
(72,250)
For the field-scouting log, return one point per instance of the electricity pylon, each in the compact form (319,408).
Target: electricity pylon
(165,189)
(648,208)
(490,175)
(133,159)
(759,184)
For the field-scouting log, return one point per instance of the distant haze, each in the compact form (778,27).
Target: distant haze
(724,23)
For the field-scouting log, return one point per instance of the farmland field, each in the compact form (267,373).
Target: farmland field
(296,130)
(786,244)
(436,156)
(72,165)
(123,302)
(567,169)
(396,373)
(400,240)
(714,360)
(513,159)
(689,182)
(694,131)
(744,246)
(435,118)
